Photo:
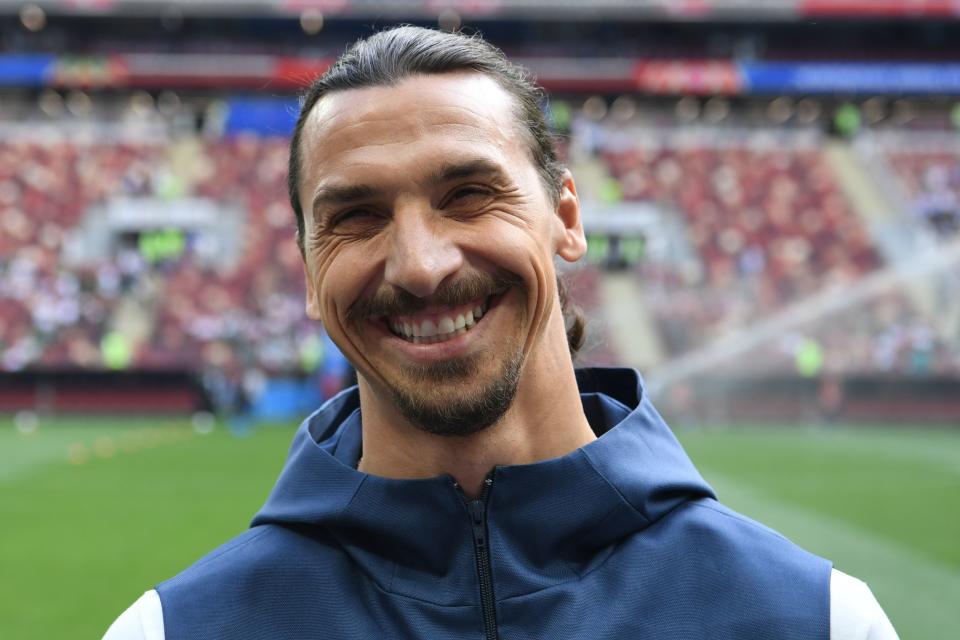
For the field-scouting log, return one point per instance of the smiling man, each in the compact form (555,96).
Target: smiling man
(429,235)
(473,484)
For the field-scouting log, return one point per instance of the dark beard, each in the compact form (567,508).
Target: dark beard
(470,409)
(467,413)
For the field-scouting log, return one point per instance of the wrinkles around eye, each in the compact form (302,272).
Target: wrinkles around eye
(350,223)
(467,195)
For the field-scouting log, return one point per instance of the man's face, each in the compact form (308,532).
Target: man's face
(429,241)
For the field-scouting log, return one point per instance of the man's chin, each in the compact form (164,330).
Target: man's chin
(453,398)
(455,371)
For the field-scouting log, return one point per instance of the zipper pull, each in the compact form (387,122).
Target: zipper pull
(476,510)
(479,528)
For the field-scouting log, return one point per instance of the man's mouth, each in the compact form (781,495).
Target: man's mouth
(438,324)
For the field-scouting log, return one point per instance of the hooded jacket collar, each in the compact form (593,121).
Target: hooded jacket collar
(548,522)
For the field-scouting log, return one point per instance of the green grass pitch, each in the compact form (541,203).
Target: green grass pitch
(94,512)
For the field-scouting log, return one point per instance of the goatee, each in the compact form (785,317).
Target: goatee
(465,412)
(449,398)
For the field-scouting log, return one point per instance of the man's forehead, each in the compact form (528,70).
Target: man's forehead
(466,103)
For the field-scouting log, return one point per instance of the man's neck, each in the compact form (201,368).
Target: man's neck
(546,420)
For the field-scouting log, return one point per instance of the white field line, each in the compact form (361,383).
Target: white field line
(23,455)
(936,448)
(930,448)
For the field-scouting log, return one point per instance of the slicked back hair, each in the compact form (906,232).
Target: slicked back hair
(391,56)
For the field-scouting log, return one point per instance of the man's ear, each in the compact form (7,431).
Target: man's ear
(313,304)
(572,242)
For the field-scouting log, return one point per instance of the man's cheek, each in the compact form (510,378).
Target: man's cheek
(328,275)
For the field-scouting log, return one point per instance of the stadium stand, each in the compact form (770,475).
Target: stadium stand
(761,210)
(715,165)
(762,213)
(58,316)
(178,313)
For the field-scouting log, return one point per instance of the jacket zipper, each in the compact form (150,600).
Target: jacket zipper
(478,520)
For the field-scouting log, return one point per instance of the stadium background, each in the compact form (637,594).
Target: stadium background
(772,196)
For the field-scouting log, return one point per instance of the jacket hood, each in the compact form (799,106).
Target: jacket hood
(548,522)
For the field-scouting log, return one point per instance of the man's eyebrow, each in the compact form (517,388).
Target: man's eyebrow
(466,169)
(342,194)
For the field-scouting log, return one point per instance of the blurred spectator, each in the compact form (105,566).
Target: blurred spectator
(932,181)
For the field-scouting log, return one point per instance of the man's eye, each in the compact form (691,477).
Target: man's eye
(352,215)
(471,192)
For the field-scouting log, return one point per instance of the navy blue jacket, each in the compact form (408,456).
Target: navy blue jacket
(619,539)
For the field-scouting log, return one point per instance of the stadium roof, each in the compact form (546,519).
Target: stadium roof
(681,10)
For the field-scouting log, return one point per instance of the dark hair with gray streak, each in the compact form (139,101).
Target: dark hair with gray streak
(390,56)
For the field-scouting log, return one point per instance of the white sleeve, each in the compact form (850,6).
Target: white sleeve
(854,613)
(142,621)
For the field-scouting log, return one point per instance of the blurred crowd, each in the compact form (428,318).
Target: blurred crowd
(932,182)
(769,225)
(887,336)
(132,308)
(764,217)
(51,315)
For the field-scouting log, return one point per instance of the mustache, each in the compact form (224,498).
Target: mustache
(394,301)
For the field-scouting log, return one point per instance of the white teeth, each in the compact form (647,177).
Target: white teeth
(427,329)
(446,325)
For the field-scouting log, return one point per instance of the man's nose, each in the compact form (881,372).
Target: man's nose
(421,254)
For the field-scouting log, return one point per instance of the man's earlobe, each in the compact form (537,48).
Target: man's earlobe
(572,244)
